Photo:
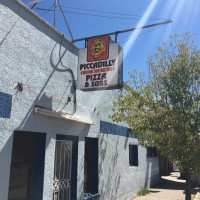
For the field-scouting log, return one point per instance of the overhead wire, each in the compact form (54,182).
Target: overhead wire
(47,10)
(115,13)
(95,15)
(142,34)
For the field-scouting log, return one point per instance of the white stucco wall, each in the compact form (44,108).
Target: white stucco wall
(29,54)
(118,180)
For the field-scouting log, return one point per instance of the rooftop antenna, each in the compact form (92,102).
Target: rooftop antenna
(65,20)
(55,13)
(55,4)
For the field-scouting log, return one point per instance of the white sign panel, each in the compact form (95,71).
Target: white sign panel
(100,74)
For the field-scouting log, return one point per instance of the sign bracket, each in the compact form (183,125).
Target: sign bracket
(116,33)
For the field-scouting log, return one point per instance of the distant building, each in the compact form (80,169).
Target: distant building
(57,142)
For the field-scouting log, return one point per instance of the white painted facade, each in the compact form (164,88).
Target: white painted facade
(29,55)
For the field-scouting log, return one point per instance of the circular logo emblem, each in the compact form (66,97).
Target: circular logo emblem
(98,48)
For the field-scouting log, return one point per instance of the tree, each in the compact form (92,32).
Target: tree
(163,107)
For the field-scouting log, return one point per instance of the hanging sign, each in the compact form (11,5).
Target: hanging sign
(100,65)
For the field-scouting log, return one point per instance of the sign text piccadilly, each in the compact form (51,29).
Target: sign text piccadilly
(100,65)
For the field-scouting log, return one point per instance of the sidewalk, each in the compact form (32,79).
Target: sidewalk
(170,188)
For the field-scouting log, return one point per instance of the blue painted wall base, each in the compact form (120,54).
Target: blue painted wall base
(5,105)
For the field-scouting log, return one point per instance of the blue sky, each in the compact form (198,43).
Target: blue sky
(84,22)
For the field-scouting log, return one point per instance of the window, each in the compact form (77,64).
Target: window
(152,151)
(133,155)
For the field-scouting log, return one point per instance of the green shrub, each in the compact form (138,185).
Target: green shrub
(143,192)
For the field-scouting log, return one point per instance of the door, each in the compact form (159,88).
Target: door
(62,170)
(65,168)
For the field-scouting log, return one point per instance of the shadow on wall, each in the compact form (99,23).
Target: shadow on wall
(72,80)
(6,151)
(152,176)
(41,99)
(33,123)
(7,34)
(35,22)
(108,190)
(148,174)
(25,124)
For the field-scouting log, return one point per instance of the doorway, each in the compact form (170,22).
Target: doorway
(27,166)
(91,166)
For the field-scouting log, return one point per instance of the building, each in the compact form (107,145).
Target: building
(56,141)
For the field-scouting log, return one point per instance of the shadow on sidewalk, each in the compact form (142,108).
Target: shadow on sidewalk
(172,185)
(169,184)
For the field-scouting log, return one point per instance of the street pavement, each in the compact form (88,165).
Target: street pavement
(170,188)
